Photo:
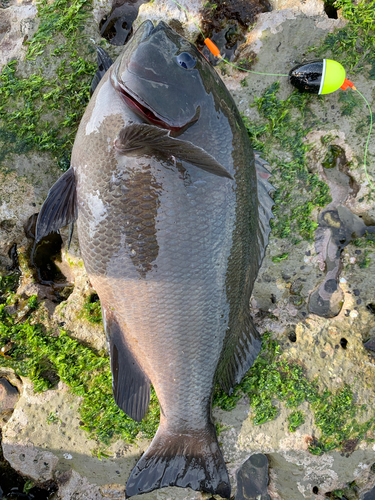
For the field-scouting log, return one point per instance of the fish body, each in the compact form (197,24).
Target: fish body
(165,191)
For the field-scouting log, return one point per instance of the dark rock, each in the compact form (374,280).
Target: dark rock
(252,479)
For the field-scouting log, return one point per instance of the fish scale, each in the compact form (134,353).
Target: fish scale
(149,313)
(172,241)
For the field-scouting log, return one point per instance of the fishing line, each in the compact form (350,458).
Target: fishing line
(332,78)
(368,138)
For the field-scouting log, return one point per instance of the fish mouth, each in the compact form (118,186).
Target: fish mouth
(140,107)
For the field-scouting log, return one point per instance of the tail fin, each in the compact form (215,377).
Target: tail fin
(188,460)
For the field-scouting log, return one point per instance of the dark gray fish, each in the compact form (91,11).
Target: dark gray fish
(173,222)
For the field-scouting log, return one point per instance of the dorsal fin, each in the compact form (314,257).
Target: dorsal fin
(242,346)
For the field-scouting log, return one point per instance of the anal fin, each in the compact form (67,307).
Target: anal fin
(131,387)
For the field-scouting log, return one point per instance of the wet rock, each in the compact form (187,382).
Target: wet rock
(31,462)
(227,23)
(58,449)
(113,491)
(71,484)
(252,479)
(11,385)
(369,495)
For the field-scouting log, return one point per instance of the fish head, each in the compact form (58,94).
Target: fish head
(162,77)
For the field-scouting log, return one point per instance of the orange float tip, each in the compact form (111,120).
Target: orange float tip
(347,83)
(212,47)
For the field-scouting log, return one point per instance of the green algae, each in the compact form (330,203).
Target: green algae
(279,258)
(33,302)
(45,359)
(92,310)
(354,44)
(350,491)
(64,17)
(8,285)
(365,261)
(41,112)
(285,123)
(295,419)
(333,153)
(272,379)
(350,102)
(367,240)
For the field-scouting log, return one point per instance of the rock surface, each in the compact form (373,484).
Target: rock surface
(17,24)
(43,439)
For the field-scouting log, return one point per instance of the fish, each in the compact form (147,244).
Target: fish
(173,217)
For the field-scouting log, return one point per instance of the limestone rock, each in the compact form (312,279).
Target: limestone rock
(17,24)
(166,10)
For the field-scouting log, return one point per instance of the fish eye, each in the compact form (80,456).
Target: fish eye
(186,60)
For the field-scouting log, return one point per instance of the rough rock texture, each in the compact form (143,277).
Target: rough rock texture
(43,440)
(165,9)
(17,24)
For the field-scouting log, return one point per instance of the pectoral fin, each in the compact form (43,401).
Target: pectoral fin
(144,136)
(104,63)
(60,207)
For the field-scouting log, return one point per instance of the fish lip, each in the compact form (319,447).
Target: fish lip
(140,107)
